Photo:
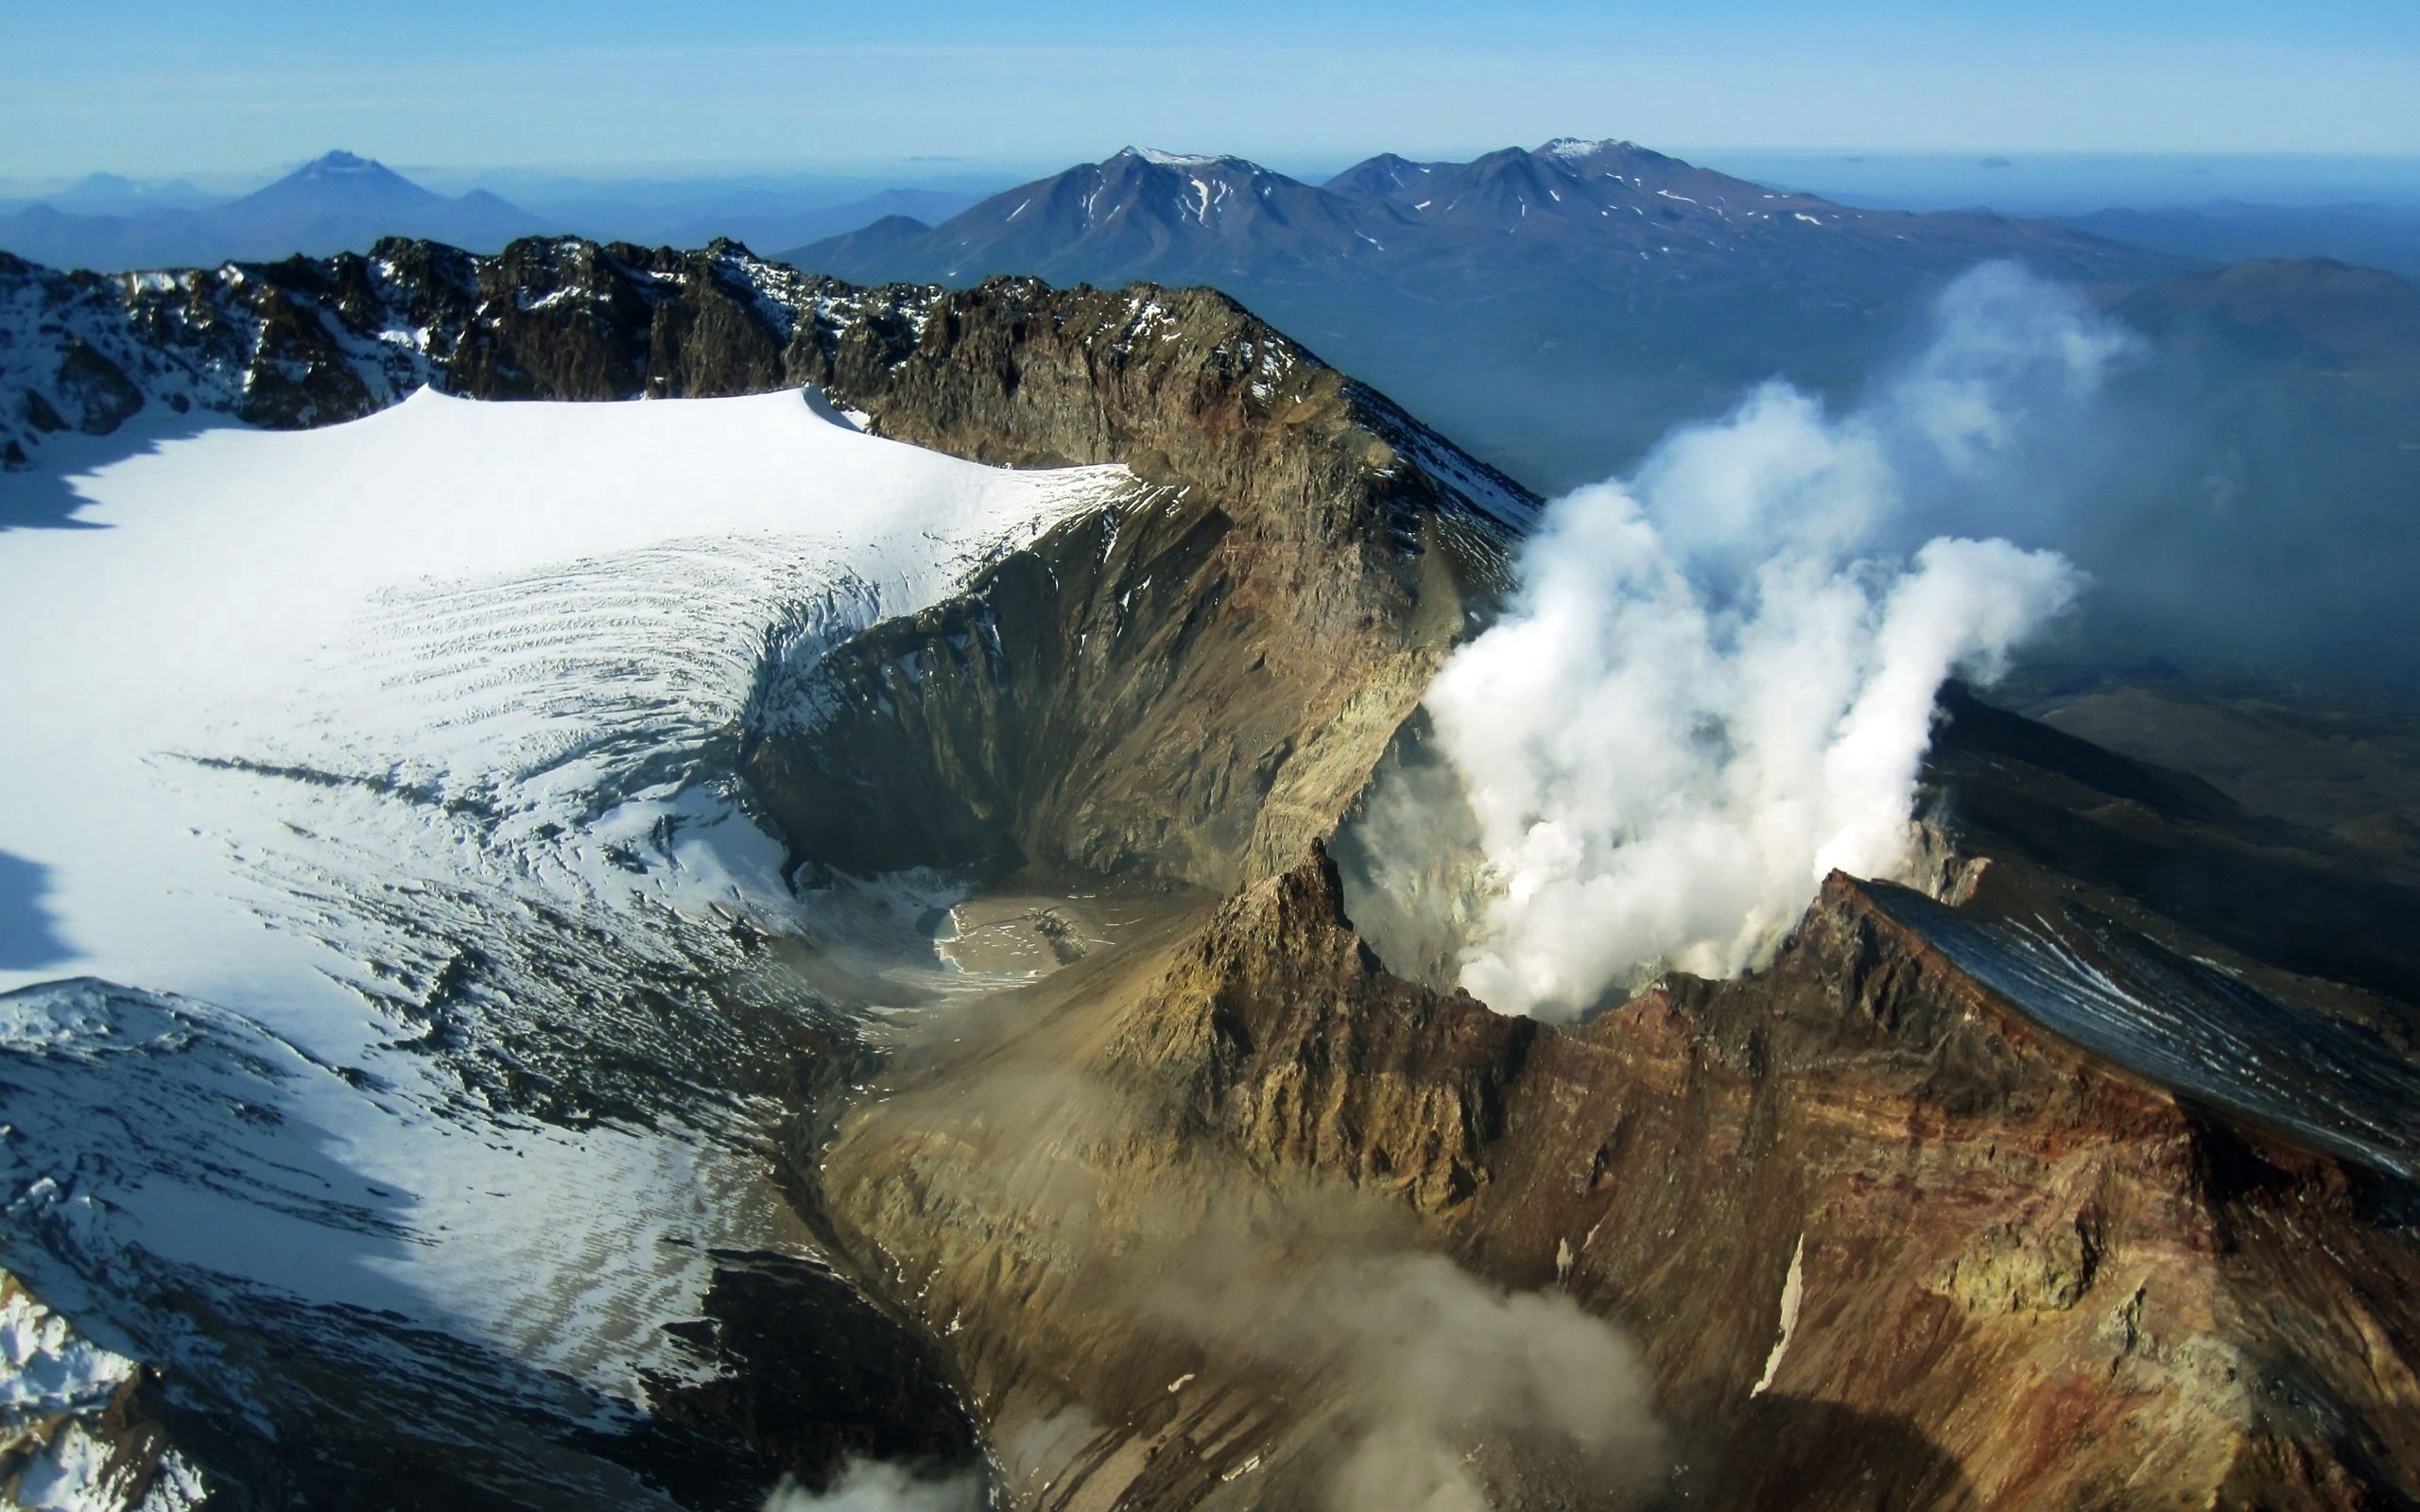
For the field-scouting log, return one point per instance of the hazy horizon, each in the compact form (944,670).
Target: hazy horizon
(549,85)
(2040,182)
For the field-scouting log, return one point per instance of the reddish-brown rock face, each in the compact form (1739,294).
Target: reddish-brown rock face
(1883,1240)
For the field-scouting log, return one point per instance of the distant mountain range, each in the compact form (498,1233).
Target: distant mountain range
(334,203)
(1558,307)
(342,202)
(779,215)
(113,194)
(1592,209)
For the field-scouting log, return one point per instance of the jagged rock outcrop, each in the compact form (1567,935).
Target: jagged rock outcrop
(313,341)
(1391,1086)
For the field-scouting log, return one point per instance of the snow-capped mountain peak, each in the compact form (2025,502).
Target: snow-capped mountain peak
(341,178)
(1185,159)
(338,162)
(1579,149)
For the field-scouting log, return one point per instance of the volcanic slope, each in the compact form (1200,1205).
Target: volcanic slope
(2060,1182)
(2026,1170)
(2024,1195)
(415,1031)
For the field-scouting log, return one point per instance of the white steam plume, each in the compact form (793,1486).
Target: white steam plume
(1716,683)
(872,1486)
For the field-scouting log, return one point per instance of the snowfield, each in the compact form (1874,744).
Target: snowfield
(523,606)
(361,779)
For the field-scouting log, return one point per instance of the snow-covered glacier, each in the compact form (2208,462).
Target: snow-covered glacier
(381,929)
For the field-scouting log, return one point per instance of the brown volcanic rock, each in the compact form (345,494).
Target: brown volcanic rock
(2022,1277)
(1279,1034)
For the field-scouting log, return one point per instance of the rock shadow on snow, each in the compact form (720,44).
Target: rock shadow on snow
(29,936)
(42,494)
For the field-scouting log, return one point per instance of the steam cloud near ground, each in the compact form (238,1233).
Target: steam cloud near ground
(872,1486)
(1716,683)
(1439,1360)
(1375,1376)
(1426,1365)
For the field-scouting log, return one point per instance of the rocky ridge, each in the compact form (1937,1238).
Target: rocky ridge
(315,341)
(1303,568)
(1189,691)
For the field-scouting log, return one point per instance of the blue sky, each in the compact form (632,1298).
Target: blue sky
(149,87)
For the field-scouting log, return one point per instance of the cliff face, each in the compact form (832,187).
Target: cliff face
(1189,689)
